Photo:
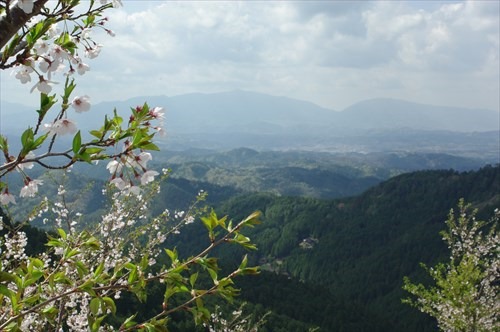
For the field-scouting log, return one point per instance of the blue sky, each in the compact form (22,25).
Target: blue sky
(332,53)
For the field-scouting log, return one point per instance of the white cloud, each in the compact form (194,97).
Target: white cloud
(332,53)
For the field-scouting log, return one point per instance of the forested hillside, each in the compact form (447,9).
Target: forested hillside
(334,264)
(359,249)
(304,173)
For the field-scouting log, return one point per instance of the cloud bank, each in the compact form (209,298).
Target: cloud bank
(331,53)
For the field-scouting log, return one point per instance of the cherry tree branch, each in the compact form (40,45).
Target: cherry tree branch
(10,24)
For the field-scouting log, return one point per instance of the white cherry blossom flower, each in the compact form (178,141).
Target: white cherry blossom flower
(157,113)
(82,68)
(6,198)
(140,160)
(25,5)
(61,127)
(148,176)
(86,33)
(53,31)
(110,32)
(134,190)
(58,53)
(31,188)
(23,74)
(161,131)
(114,166)
(41,46)
(116,3)
(119,183)
(92,53)
(43,85)
(49,67)
(81,103)
(28,165)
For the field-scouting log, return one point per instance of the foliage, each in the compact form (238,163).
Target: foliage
(366,244)
(74,283)
(465,295)
(304,173)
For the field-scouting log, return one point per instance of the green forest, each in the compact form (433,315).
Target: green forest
(327,264)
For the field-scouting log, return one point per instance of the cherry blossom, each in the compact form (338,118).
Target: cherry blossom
(49,67)
(114,166)
(82,68)
(134,190)
(41,46)
(157,113)
(27,165)
(31,188)
(58,53)
(23,74)
(119,183)
(141,160)
(92,53)
(81,103)
(61,127)
(116,3)
(148,177)
(53,31)
(110,32)
(43,85)
(6,198)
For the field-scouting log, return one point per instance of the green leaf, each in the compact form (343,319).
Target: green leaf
(37,262)
(49,310)
(137,138)
(129,322)
(252,219)
(62,233)
(77,142)
(95,303)
(210,221)
(149,146)
(243,263)
(39,141)
(68,90)
(3,144)
(81,268)
(172,254)
(46,102)
(193,278)
(93,150)
(99,270)
(213,274)
(109,304)
(6,291)
(71,253)
(27,141)
(97,323)
(132,276)
(96,133)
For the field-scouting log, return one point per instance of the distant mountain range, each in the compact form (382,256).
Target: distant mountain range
(241,118)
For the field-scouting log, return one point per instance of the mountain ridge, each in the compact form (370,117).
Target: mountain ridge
(241,118)
(245,107)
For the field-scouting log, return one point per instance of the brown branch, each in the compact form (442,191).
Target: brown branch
(16,18)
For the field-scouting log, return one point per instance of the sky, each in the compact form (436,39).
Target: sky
(332,53)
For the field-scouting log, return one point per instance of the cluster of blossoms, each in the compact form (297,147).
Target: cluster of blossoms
(129,170)
(58,51)
(466,294)
(84,267)
(236,322)
(125,234)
